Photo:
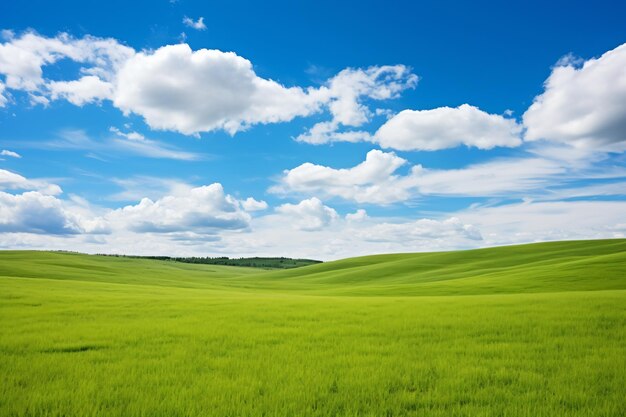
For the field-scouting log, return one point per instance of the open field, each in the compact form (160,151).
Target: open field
(534,330)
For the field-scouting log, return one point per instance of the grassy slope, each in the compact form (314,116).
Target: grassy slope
(78,267)
(543,267)
(540,330)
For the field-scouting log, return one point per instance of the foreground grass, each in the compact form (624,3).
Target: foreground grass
(196,341)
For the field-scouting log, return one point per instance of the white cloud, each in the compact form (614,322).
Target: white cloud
(594,190)
(447,127)
(23,58)
(308,215)
(273,234)
(195,24)
(136,143)
(325,132)
(175,88)
(120,143)
(500,177)
(422,229)
(345,94)
(87,89)
(544,221)
(38,213)
(3,99)
(250,204)
(12,154)
(39,210)
(376,179)
(12,181)
(372,181)
(187,215)
(33,212)
(583,106)
(358,216)
(144,186)
(350,86)
(204,210)
(201,220)
(134,136)
(153,149)
(471,228)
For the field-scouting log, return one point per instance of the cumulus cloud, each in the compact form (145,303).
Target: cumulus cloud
(583,105)
(205,220)
(172,87)
(187,217)
(12,154)
(377,181)
(272,235)
(195,24)
(87,89)
(325,132)
(348,87)
(308,215)
(358,216)
(372,181)
(39,209)
(197,216)
(447,127)
(33,212)
(187,212)
(12,181)
(22,59)
(345,95)
(204,210)
(175,88)
(250,204)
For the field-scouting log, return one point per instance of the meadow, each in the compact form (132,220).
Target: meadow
(533,330)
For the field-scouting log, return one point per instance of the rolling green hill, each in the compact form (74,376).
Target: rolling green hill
(531,330)
(540,267)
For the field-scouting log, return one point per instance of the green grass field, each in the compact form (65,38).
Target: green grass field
(533,330)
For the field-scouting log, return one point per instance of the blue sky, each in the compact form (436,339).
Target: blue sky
(310,129)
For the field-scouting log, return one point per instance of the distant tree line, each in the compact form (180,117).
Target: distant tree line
(255,262)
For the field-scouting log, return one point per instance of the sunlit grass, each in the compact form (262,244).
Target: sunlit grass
(87,336)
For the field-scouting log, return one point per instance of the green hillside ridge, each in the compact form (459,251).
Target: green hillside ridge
(539,267)
(121,270)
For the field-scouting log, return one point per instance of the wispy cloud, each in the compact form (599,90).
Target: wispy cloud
(136,143)
(118,143)
(195,24)
(10,153)
(144,186)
